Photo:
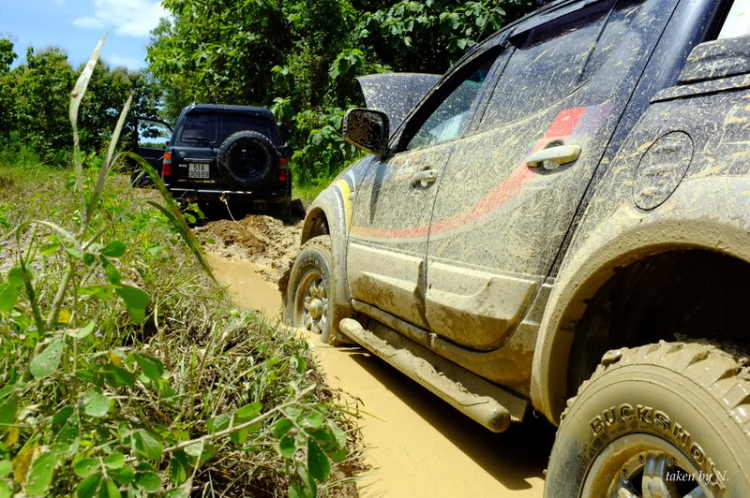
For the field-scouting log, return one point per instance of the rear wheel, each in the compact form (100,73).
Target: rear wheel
(664,420)
(308,293)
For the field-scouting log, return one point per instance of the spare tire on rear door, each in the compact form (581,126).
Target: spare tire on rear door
(246,158)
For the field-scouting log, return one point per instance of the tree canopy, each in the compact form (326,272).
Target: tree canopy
(34,98)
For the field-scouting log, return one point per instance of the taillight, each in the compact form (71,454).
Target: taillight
(283,170)
(166,165)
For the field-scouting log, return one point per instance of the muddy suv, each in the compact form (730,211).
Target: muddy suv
(233,153)
(563,224)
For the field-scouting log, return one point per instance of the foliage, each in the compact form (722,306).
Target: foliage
(325,150)
(34,103)
(429,36)
(110,380)
(16,152)
(301,58)
(41,97)
(7,87)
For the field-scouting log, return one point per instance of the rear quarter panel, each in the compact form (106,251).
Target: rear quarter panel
(634,212)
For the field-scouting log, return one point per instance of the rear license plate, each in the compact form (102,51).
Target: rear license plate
(198,170)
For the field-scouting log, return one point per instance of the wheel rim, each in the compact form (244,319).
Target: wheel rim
(644,466)
(311,308)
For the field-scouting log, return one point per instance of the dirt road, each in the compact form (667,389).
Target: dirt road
(416,445)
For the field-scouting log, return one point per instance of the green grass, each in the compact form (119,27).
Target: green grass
(136,384)
(309,191)
(13,152)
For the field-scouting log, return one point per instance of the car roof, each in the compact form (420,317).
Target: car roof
(220,108)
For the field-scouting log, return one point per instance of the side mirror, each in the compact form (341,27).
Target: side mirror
(368,130)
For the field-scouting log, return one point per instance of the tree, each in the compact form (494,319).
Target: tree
(428,37)
(7,88)
(219,50)
(34,101)
(108,90)
(42,93)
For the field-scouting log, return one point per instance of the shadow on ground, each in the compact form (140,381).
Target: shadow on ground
(511,457)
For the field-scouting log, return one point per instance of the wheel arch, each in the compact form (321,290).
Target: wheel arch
(330,214)
(623,238)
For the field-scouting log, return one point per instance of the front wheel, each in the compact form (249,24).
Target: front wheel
(664,420)
(308,293)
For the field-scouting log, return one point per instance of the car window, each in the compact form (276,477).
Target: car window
(736,23)
(153,134)
(554,59)
(449,119)
(199,128)
(232,123)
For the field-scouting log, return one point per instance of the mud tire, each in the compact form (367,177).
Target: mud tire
(245,159)
(699,401)
(314,260)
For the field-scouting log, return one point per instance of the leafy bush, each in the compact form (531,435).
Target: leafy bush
(15,152)
(123,370)
(325,152)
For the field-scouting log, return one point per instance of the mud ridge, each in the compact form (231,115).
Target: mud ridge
(263,240)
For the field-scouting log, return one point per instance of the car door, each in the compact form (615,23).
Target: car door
(153,138)
(499,221)
(393,205)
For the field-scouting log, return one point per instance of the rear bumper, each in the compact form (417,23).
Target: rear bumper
(267,196)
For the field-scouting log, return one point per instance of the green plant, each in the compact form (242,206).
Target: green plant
(111,381)
(325,153)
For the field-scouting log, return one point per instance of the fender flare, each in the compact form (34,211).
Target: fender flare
(706,213)
(335,206)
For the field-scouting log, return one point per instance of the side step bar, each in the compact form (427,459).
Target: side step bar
(486,403)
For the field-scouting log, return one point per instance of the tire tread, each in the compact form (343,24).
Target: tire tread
(719,373)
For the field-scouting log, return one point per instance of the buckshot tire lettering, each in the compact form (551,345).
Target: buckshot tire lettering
(644,412)
(626,411)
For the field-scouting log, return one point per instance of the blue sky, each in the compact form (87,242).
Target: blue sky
(76,26)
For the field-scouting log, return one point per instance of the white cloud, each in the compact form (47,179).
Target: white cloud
(126,17)
(89,23)
(115,60)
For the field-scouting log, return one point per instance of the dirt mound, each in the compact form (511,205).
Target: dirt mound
(261,239)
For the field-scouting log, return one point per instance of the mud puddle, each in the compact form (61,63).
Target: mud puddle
(248,285)
(416,445)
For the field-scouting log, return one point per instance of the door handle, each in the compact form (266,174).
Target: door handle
(561,154)
(424,178)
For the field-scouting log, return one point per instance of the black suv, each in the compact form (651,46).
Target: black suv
(226,152)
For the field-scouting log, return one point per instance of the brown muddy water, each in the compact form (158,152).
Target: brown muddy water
(416,444)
